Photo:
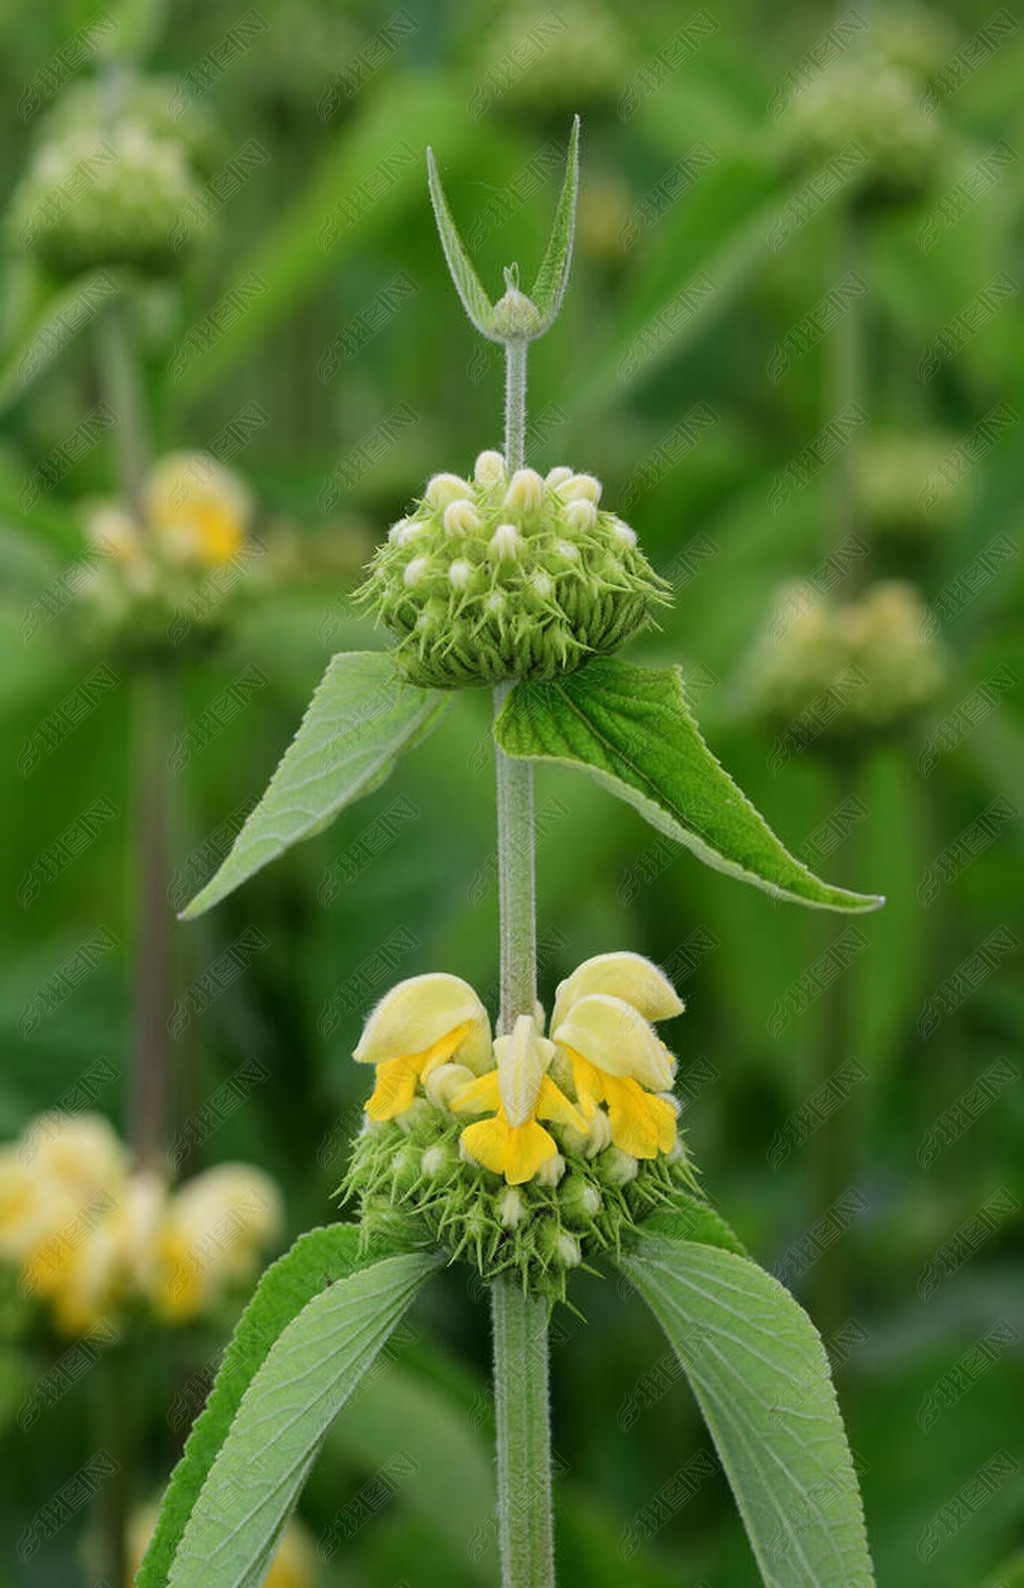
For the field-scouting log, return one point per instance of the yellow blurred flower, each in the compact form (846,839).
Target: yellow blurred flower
(211,1237)
(197,510)
(91,1238)
(197,515)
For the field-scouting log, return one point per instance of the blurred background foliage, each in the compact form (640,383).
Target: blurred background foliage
(326,106)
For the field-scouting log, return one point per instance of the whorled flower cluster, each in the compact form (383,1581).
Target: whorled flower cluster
(580,67)
(866,665)
(86,1239)
(172,577)
(866,102)
(526,1151)
(110,179)
(502,577)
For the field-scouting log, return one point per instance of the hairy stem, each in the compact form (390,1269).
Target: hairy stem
(516,882)
(525,1528)
(515,403)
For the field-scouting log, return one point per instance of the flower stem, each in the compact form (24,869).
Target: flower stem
(516,881)
(525,1528)
(515,403)
(520,1321)
(514,779)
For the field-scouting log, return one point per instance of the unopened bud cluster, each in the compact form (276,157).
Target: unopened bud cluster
(865,102)
(865,666)
(410,1176)
(110,178)
(580,66)
(500,577)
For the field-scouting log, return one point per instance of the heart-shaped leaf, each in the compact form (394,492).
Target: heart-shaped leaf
(631,729)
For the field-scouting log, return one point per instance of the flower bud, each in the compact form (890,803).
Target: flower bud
(525,493)
(617,1168)
(580,1201)
(484,581)
(581,515)
(580,487)
(557,1246)
(551,1172)
(445,488)
(511,1207)
(506,543)
(489,470)
(461,517)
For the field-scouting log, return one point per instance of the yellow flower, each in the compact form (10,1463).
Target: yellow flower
(602,1023)
(211,1236)
(196,509)
(418,1026)
(522,1093)
(112,1265)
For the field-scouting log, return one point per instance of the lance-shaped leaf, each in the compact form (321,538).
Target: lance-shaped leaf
(283,1417)
(553,276)
(362,716)
(515,317)
(317,1259)
(632,731)
(467,283)
(761,1377)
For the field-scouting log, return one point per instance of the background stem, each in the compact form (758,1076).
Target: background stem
(148,1086)
(122,383)
(525,1528)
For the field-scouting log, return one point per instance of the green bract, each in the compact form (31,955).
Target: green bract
(500,578)
(537,1231)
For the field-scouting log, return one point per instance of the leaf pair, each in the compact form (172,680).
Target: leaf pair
(548,290)
(320,1315)
(627,727)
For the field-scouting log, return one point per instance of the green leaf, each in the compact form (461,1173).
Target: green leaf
(690,1218)
(467,283)
(308,1374)
(759,1371)
(631,729)
(362,716)
(316,1259)
(553,276)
